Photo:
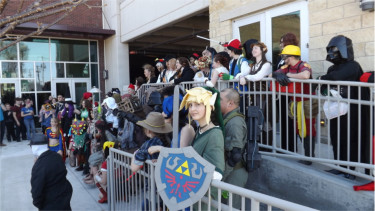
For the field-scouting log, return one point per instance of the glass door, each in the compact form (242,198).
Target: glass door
(9,91)
(71,88)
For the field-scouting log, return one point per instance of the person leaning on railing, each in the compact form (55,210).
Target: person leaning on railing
(295,68)
(340,53)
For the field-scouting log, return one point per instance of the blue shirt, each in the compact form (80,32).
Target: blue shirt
(1,114)
(27,111)
(142,154)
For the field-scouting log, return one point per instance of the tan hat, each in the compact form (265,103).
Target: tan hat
(155,122)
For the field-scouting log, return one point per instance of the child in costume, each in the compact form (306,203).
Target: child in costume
(55,137)
(79,130)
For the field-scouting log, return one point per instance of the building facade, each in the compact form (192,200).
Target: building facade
(143,23)
(66,59)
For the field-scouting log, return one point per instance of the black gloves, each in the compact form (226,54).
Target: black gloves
(281,78)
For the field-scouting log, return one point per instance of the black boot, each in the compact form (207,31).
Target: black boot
(306,146)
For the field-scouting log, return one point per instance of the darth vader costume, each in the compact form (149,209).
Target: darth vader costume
(344,68)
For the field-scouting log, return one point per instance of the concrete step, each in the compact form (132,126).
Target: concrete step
(309,185)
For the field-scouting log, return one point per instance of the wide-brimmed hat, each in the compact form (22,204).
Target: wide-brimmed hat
(155,122)
(68,100)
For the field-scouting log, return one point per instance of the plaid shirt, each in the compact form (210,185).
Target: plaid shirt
(142,153)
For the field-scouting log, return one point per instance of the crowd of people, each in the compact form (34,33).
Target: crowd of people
(210,121)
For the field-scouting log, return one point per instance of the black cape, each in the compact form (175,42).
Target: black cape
(49,187)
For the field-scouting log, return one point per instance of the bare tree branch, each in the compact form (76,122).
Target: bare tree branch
(39,30)
(37,10)
(3,4)
(20,6)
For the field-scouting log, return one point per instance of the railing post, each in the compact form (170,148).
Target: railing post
(110,180)
(273,84)
(152,194)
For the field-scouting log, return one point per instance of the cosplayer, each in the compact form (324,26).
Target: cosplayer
(101,176)
(209,139)
(55,137)
(46,118)
(79,130)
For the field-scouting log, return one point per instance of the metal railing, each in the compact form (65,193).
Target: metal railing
(344,143)
(128,191)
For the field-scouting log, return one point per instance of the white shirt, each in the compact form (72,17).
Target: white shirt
(262,73)
(245,68)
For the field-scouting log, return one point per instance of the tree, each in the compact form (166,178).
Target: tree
(36,10)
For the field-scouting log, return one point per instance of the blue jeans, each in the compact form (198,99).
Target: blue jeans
(30,125)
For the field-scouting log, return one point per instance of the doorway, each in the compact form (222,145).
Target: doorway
(71,88)
(9,91)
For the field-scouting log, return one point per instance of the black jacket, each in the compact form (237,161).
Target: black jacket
(187,75)
(49,187)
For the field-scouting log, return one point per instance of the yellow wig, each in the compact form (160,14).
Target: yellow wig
(199,95)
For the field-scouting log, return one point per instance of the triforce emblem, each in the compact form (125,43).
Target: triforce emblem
(182,177)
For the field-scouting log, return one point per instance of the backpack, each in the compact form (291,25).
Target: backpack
(251,155)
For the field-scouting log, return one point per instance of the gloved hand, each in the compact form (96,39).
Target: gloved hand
(226,76)
(209,84)
(242,81)
(281,78)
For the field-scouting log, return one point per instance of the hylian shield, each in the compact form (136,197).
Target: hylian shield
(182,177)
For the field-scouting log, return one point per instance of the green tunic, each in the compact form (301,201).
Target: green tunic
(210,145)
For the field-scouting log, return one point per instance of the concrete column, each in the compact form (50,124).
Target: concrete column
(116,52)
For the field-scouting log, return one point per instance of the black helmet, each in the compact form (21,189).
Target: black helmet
(340,49)
(154,99)
(39,139)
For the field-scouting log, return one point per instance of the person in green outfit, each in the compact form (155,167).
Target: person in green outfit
(234,141)
(209,139)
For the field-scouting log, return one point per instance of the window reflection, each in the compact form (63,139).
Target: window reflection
(57,70)
(28,85)
(77,71)
(281,25)
(8,93)
(10,69)
(27,70)
(34,49)
(10,53)
(43,76)
(93,51)
(80,88)
(69,50)
(94,75)
(250,31)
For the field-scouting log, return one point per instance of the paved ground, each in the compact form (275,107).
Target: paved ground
(16,161)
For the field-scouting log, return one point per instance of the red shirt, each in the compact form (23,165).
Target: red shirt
(17,110)
(298,68)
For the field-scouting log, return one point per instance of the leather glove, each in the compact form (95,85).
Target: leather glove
(281,78)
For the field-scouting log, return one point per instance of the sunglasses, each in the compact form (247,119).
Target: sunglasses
(285,56)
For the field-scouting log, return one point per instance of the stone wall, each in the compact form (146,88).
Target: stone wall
(329,18)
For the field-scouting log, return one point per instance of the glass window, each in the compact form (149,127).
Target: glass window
(57,70)
(80,88)
(41,98)
(94,75)
(250,31)
(28,85)
(34,49)
(63,89)
(27,69)
(69,50)
(43,76)
(10,69)
(9,53)
(77,71)
(93,51)
(8,93)
(281,25)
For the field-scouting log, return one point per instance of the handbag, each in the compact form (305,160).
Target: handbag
(334,109)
